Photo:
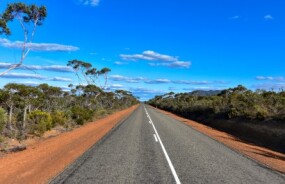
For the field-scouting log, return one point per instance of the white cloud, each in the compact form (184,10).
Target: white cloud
(270,86)
(270,78)
(162,59)
(54,68)
(38,46)
(120,63)
(235,17)
(192,82)
(268,17)
(90,2)
(13,75)
(158,81)
(28,83)
(115,87)
(62,79)
(23,76)
(127,79)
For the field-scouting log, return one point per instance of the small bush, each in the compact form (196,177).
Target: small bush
(261,113)
(3,119)
(59,118)
(40,122)
(81,115)
(100,113)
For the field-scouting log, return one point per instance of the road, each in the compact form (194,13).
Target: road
(150,147)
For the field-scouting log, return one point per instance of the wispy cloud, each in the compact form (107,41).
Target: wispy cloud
(192,82)
(158,81)
(204,88)
(120,63)
(34,76)
(234,17)
(270,78)
(270,86)
(142,90)
(127,79)
(54,68)
(268,17)
(23,76)
(38,46)
(62,79)
(163,81)
(90,2)
(115,87)
(28,83)
(162,59)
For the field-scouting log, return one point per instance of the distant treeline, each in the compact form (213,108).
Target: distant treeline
(27,110)
(233,103)
(254,116)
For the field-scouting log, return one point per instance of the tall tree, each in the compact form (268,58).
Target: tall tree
(26,15)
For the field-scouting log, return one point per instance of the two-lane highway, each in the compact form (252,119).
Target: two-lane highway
(149,147)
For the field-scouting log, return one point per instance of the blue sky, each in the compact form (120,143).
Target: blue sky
(154,47)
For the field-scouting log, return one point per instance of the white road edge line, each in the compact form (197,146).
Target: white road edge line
(155,138)
(165,153)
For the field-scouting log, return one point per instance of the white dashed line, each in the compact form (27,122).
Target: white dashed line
(164,151)
(155,138)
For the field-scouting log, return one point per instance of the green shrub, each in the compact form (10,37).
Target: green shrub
(261,113)
(100,113)
(81,115)
(3,118)
(59,118)
(40,122)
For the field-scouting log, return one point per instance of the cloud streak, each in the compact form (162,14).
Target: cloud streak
(270,86)
(234,17)
(90,2)
(34,76)
(157,59)
(268,17)
(121,78)
(54,68)
(269,78)
(127,79)
(49,47)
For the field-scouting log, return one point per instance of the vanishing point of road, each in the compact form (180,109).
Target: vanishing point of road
(150,147)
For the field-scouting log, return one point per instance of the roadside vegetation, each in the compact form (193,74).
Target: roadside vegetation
(28,111)
(256,116)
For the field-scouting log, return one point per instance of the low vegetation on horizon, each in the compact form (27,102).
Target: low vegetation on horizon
(256,116)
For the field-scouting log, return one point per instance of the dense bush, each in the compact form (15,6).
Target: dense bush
(233,103)
(59,118)
(81,115)
(3,118)
(39,122)
(37,109)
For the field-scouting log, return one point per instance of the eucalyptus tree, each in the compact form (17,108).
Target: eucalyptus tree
(91,75)
(11,98)
(82,67)
(29,17)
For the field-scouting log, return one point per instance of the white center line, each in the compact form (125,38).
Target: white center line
(155,138)
(164,151)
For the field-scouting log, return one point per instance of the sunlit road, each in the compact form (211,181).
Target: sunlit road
(149,147)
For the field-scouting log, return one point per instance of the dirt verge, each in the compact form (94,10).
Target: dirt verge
(43,160)
(267,157)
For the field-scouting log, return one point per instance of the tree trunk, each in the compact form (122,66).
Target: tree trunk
(10,117)
(24,118)
(30,107)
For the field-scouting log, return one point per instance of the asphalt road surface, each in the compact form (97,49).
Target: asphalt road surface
(150,147)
